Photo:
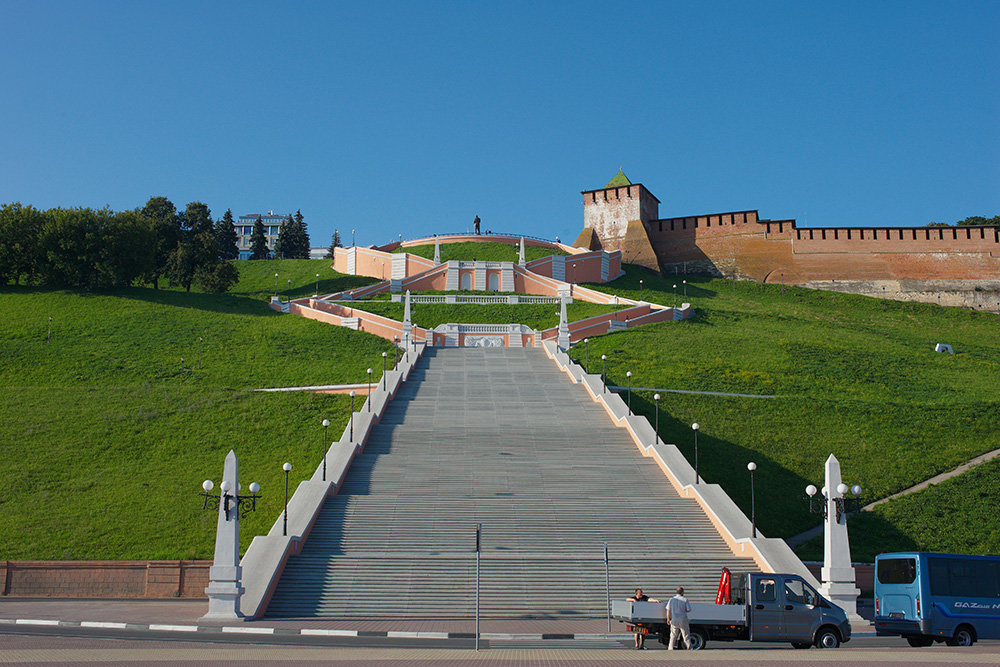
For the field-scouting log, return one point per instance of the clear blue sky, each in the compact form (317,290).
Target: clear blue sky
(413,118)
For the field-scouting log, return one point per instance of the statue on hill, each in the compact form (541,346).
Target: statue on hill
(475,224)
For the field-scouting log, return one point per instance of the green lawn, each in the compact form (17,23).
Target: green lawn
(853,376)
(486,251)
(537,316)
(108,435)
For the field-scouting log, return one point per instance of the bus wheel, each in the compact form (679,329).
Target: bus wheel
(827,637)
(964,636)
(696,639)
(919,641)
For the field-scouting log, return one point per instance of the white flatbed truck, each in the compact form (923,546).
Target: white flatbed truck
(762,607)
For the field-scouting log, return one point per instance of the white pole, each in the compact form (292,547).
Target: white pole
(479,530)
(607,580)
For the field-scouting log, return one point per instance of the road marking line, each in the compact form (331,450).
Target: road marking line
(329,633)
(173,628)
(250,631)
(103,624)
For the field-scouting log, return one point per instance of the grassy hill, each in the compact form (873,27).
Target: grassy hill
(487,251)
(108,434)
(853,376)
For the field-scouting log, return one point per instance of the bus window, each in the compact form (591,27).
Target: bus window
(897,570)
(966,578)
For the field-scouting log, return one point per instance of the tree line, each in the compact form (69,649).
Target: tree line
(971,221)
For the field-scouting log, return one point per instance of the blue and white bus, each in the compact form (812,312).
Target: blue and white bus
(929,597)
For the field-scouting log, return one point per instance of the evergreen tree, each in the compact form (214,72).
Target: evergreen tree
(284,245)
(225,232)
(334,243)
(258,242)
(198,250)
(301,236)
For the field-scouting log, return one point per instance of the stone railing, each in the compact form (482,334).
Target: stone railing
(265,559)
(770,554)
(509,299)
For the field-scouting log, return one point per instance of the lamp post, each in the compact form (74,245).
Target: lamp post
(628,376)
(288,291)
(685,289)
(675,295)
(604,366)
(384,355)
(753,507)
(275,284)
(200,341)
(317,285)
(640,289)
(844,505)
(656,402)
(352,238)
(241,505)
(369,401)
(48,336)
(326,422)
(586,347)
(284,526)
(694,427)
(351,419)
(395,353)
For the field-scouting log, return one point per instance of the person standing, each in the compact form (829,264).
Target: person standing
(640,639)
(678,609)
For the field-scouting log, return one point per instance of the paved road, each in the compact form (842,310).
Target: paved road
(49,649)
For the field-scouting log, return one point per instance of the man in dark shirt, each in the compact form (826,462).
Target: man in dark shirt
(640,639)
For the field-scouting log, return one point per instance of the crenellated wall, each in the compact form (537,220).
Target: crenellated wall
(949,265)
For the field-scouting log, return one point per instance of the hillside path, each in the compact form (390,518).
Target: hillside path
(816,531)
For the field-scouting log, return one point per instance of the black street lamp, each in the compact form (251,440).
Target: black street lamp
(640,290)
(395,353)
(242,505)
(384,355)
(284,527)
(694,427)
(317,284)
(326,422)
(352,238)
(200,345)
(275,284)
(586,347)
(753,507)
(369,401)
(675,296)
(351,420)
(685,289)
(288,292)
(656,402)
(844,504)
(628,376)
(604,366)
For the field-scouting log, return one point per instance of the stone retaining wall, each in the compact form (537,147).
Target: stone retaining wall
(105,578)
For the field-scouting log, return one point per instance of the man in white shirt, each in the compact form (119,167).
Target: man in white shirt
(678,608)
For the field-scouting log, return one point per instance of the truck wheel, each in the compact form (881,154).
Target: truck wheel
(696,639)
(919,641)
(964,636)
(827,638)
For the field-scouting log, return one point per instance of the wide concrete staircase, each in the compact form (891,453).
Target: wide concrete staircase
(503,438)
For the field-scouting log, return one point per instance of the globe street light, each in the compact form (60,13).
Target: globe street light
(604,366)
(675,296)
(369,401)
(685,289)
(656,402)
(275,284)
(287,468)
(288,292)
(753,508)
(640,290)
(317,285)
(384,355)
(326,422)
(694,427)
(351,420)
(843,504)
(586,347)
(628,376)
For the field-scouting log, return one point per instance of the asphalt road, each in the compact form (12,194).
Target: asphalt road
(74,646)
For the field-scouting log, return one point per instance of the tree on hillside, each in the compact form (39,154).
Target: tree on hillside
(978,220)
(258,242)
(293,239)
(161,216)
(20,253)
(282,245)
(225,232)
(334,243)
(198,250)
